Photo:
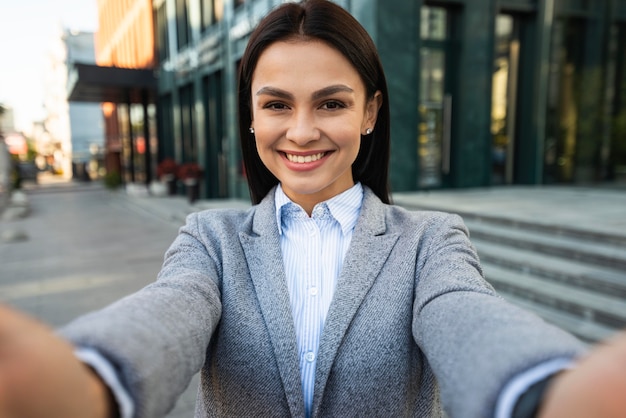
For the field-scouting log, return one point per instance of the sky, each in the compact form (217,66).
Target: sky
(27,30)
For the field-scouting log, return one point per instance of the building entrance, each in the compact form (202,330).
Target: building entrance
(437,55)
(504,98)
(614,150)
(585,134)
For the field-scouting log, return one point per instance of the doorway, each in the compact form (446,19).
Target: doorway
(504,99)
(436,85)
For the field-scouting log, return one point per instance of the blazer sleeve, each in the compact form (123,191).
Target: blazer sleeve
(157,338)
(473,339)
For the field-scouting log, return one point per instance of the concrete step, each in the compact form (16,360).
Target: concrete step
(599,253)
(540,254)
(617,237)
(575,273)
(562,211)
(588,306)
(589,332)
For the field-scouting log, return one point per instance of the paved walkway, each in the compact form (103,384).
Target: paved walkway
(599,210)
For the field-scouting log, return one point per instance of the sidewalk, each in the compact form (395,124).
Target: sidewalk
(591,210)
(176,208)
(594,211)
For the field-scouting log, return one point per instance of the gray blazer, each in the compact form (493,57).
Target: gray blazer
(413,324)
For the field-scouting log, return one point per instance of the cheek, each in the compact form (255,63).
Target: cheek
(263,147)
(262,136)
(348,138)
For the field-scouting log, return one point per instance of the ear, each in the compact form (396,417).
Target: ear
(371,111)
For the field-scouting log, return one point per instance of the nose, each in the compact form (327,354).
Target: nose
(302,128)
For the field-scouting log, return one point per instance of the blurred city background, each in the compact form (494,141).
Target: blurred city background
(118,118)
(484,93)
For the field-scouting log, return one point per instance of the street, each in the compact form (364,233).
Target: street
(85,247)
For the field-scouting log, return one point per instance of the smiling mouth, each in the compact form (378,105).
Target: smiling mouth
(301,159)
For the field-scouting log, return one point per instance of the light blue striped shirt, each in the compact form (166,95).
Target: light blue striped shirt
(313,250)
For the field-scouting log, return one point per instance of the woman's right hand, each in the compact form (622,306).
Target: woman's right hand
(41,377)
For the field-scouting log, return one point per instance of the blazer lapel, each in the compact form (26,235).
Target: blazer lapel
(368,252)
(262,250)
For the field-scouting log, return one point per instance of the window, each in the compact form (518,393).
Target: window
(211,11)
(163,47)
(183,30)
(207,13)
(188,129)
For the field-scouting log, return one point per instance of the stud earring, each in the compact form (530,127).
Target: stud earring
(368,131)
(251,129)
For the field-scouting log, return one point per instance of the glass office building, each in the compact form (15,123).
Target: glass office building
(483,92)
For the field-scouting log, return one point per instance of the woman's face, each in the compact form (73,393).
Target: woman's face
(309,109)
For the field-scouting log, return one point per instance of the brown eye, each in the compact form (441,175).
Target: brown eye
(333,105)
(275,106)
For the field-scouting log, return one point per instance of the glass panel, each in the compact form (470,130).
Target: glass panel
(617,153)
(563,100)
(216,170)
(154,140)
(433,25)
(206,12)
(429,144)
(182,23)
(162,41)
(218,8)
(503,99)
(187,123)
(431,105)
(165,123)
(139,142)
(124,135)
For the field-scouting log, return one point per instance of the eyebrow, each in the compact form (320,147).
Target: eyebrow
(326,91)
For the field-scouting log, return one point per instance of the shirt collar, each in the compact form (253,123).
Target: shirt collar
(344,208)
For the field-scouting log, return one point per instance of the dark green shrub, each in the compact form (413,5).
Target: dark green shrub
(112,179)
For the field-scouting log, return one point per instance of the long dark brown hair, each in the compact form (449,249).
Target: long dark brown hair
(328,22)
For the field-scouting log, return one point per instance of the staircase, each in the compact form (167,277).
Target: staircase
(572,278)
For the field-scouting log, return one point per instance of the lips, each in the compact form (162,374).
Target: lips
(302,159)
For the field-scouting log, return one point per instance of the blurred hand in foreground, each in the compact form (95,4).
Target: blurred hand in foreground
(595,388)
(41,377)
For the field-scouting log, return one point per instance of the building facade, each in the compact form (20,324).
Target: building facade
(123,83)
(483,92)
(85,119)
(75,135)
(125,39)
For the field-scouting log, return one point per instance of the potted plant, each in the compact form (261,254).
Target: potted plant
(190,174)
(166,172)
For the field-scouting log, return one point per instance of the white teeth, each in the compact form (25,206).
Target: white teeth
(304,159)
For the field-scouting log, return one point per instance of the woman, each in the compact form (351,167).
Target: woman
(322,299)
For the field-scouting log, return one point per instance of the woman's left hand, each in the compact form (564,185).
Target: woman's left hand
(595,388)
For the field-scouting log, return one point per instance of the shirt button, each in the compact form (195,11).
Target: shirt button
(310,356)
(313,291)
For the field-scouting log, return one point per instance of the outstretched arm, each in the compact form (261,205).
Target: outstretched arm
(596,387)
(41,376)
